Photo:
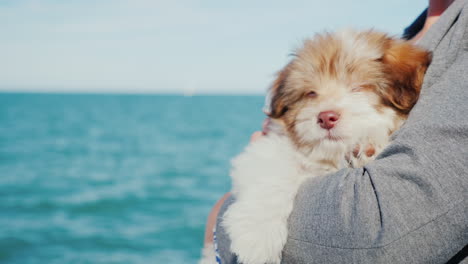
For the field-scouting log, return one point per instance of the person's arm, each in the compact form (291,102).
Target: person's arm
(408,206)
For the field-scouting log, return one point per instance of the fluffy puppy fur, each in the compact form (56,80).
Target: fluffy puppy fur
(333,106)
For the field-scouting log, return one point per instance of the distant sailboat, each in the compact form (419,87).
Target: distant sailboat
(190,89)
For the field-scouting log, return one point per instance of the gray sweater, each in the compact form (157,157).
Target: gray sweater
(410,204)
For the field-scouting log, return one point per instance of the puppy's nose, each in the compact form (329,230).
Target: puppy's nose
(328,119)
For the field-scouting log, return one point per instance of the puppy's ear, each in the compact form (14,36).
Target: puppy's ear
(278,95)
(405,65)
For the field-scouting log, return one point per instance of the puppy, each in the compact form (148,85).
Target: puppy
(333,106)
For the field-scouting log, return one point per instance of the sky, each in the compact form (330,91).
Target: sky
(171,46)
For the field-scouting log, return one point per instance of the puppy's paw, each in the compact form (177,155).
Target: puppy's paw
(208,255)
(260,245)
(362,154)
(254,239)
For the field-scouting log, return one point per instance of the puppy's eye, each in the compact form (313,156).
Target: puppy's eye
(311,94)
(363,87)
(356,88)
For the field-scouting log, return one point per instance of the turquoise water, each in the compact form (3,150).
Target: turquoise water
(114,178)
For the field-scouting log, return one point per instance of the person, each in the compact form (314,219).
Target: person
(410,204)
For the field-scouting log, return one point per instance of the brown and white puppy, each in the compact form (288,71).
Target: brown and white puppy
(341,93)
(339,86)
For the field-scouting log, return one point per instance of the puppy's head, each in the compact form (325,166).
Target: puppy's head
(344,88)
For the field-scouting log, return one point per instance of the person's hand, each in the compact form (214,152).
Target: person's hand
(258,134)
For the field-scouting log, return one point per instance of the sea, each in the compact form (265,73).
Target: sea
(100,178)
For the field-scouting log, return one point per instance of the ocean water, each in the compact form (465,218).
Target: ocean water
(115,178)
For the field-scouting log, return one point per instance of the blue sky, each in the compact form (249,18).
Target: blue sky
(170,46)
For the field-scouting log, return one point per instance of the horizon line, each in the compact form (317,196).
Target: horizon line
(126,92)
